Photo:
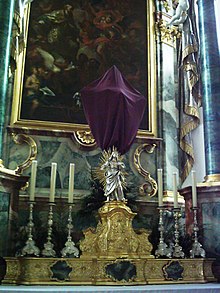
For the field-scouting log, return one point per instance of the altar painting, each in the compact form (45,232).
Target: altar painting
(72,43)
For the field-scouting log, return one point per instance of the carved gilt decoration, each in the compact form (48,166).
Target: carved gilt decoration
(114,235)
(150,186)
(85,138)
(94,271)
(167,35)
(20,139)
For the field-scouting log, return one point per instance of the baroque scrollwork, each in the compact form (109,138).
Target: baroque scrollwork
(167,34)
(150,186)
(114,235)
(20,139)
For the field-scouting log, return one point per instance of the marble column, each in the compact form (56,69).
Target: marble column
(6,20)
(209,191)
(166,93)
(210,69)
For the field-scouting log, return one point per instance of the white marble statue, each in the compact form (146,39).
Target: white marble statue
(181,13)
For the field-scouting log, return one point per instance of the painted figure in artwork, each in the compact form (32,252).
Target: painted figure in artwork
(114,177)
(32,85)
(75,42)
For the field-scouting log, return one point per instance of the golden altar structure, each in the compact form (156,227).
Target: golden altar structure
(111,254)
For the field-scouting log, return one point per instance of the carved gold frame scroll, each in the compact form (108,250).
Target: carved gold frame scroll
(18,122)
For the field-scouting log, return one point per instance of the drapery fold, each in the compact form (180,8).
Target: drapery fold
(113,109)
(189,90)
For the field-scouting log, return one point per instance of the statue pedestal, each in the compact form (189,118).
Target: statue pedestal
(115,236)
(10,184)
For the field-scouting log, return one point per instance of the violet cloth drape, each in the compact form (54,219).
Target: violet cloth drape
(113,109)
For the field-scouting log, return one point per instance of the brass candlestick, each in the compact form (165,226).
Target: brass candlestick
(70,249)
(30,248)
(197,249)
(48,250)
(162,249)
(177,252)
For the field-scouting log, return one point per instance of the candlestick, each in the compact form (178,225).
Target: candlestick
(70,249)
(33,180)
(30,247)
(160,187)
(175,196)
(197,250)
(53,181)
(48,250)
(162,249)
(194,195)
(71,183)
(177,252)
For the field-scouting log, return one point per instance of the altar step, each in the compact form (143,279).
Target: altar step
(174,288)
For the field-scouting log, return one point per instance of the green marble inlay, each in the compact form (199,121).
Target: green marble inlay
(6,19)
(4,217)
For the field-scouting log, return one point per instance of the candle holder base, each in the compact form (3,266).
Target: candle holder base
(178,253)
(70,250)
(163,251)
(197,250)
(48,250)
(30,249)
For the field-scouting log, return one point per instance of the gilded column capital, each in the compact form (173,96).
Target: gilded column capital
(165,34)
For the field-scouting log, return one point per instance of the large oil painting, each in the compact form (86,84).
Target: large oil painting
(73,42)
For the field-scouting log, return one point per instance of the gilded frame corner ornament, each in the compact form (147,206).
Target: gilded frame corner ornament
(84,138)
(143,189)
(20,139)
(17,120)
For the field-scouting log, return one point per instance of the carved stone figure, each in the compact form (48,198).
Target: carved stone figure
(181,13)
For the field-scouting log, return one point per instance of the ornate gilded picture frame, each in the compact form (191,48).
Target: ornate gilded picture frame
(71,43)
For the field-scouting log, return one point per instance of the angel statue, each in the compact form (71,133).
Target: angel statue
(181,13)
(114,177)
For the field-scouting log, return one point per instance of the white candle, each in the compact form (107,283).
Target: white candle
(53,181)
(71,183)
(175,196)
(160,187)
(194,195)
(33,180)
